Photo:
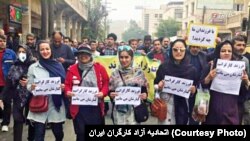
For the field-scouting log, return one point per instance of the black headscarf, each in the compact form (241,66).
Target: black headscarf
(182,69)
(218,49)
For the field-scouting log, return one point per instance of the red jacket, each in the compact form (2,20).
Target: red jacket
(102,83)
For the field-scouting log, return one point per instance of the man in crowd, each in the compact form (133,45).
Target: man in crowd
(2,32)
(165,42)
(133,43)
(61,51)
(31,43)
(85,40)
(158,53)
(7,59)
(111,48)
(146,47)
(239,45)
(100,46)
(93,46)
(75,44)
(69,42)
(63,54)
(197,58)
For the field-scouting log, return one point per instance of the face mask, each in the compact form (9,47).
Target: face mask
(22,57)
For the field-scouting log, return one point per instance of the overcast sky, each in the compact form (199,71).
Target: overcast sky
(125,9)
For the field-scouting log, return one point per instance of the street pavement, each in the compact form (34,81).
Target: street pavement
(69,134)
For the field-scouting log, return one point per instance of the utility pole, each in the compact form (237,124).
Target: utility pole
(248,25)
(51,17)
(105,19)
(203,14)
(44,19)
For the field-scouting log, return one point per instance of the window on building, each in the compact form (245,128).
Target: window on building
(178,13)
(156,24)
(192,8)
(156,15)
(186,11)
(146,22)
(160,16)
(238,7)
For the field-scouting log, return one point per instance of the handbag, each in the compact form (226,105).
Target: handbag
(159,109)
(39,104)
(141,112)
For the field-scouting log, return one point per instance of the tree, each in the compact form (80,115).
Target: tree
(168,28)
(94,28)
(134,31)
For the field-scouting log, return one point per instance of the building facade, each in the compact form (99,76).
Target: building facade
(235,21)
(212,13)
(173,10)
(42,17)
(152,17)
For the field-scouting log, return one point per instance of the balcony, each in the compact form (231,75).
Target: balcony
(235,20)
(79,7)
(76,7)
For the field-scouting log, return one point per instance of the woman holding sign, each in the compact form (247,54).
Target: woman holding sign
(128,76)
(47,67)
(85,74)
(223,107)
(179,109)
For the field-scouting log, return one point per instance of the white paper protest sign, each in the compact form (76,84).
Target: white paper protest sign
(228,76)
(177,86)
(47,86)
(202,35)
(128,95)
(84,95)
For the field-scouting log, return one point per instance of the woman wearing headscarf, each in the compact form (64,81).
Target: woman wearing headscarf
(179,108)
(223,108)
(47,67)
(16,89)
(86,73)
(131,76)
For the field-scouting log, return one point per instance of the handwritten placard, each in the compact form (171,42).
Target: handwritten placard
(85,95)
(48,86)
(177,86)
(228,76)
(128,95)
(202,35)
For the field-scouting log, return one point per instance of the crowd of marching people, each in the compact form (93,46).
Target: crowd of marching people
(73,62)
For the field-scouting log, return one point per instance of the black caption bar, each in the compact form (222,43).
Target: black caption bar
(156,132)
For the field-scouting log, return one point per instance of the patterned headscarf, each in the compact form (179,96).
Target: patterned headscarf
(131,75)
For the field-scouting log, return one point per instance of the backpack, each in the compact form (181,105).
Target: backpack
(159,109)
